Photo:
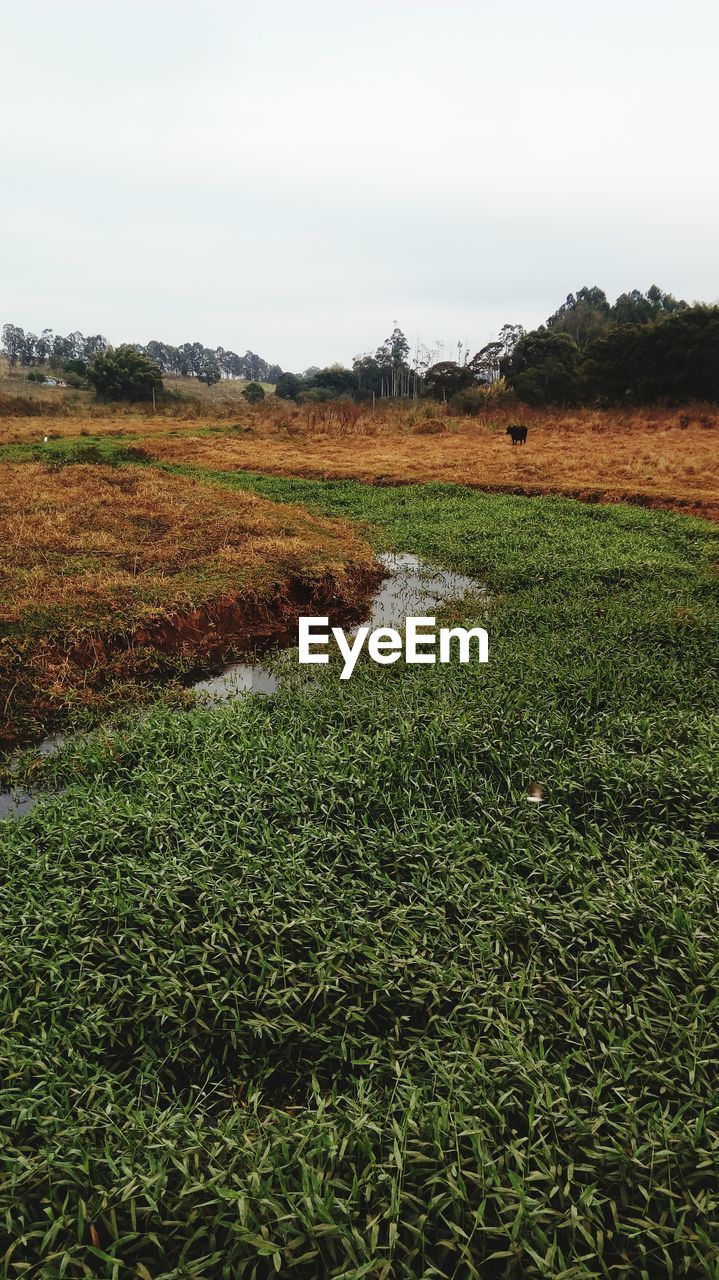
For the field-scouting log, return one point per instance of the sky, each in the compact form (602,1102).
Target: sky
(296,178)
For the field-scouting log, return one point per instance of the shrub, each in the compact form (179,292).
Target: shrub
(474,400)
(24,407)
(429,427)
(253,393)
(288,386)
(122,373)
(317,395)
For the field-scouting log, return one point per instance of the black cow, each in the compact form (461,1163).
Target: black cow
(518,434)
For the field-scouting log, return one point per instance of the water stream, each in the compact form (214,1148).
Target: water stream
(411,588)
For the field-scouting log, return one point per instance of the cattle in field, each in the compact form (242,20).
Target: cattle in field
(518,434)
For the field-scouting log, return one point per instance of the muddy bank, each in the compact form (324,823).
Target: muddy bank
(403,586)
(101,672)
(705,508)
(243,622)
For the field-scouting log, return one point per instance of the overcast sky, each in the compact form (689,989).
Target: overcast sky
(296,177)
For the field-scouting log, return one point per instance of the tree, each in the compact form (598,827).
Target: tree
(288,386)
(122,373)
(368,375)
(93,346)
(636,307)
(545,368)
(391,358)
(77,344)
(675,357)
(585,317)
(485,364)
(43,346)
(254,367)
(61,350)
(232,365)
(509,336)
(192,358)
(335,379)
(253,393)
(13,338)
(29,349)
(209,372)
(444,379)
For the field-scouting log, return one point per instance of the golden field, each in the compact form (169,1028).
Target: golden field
(657,457)
(671,467)
(102,568)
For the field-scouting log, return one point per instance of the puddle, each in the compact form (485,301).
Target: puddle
(412,588)
(15,804)
(51,744)
(241,677)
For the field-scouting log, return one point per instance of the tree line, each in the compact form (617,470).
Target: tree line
(394,370)
(74,353)
(645,347)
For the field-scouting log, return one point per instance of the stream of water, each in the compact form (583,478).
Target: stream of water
(411,588)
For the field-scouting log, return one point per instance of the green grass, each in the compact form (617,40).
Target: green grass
(67,450)
(305,986)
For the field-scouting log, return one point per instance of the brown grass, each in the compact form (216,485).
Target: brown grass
(115,553)
(657,456)
(96,560)
(660,458)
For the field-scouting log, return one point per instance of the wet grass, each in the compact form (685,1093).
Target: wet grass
(306,986)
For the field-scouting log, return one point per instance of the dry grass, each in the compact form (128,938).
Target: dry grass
(655,456)
(659,458)
(107,544)
(97,551)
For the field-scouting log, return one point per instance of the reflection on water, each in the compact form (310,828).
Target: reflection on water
(241,677)
(412,588)
(13,804)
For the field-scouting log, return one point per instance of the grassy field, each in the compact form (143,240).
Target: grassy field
(655,457)
(113,575)
(222,397)
(305,986)
(669,461)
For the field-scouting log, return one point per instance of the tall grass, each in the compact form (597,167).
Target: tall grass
(306,987)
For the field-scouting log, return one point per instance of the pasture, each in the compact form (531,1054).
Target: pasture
(305,986)
(658,457)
